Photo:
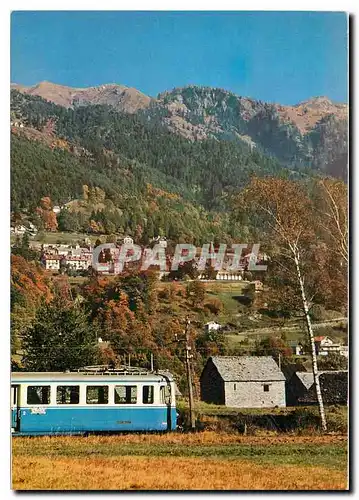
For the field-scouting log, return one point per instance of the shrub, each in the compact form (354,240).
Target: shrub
(164,294)
(215,305)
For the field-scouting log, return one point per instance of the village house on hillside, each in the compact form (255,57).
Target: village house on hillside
(243,382)
(325,345)
(77,263)
(212,326)
(52,262)
(127,240)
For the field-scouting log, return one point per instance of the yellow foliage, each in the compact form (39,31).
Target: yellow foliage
(159,193)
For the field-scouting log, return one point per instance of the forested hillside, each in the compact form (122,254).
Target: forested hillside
(149,176)
(311,134)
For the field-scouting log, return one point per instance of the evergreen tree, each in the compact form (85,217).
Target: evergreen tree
(60,338)
(22,248)
(68,221)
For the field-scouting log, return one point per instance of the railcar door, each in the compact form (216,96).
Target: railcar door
(15,408)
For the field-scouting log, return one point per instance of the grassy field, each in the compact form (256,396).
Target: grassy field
(66,238)
(201,461)
(61,237)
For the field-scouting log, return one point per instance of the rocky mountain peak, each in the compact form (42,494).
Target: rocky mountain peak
(122,98)
(317,102)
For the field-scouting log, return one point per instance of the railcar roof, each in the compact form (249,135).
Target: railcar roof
(56,376)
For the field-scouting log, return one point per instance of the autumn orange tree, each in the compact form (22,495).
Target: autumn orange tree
(196,292)
(46,214)
(120,308)
(29,288)
(286,215)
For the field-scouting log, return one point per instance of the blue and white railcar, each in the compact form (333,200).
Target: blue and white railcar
(82,402)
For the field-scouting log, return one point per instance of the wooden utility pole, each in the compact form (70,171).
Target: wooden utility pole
(189,377)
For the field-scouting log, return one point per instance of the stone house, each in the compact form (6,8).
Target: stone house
(243,382)
(333,384)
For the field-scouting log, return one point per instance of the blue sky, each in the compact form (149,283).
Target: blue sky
(281,57)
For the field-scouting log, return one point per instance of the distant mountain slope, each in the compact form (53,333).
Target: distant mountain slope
(205,171)
(219,109)
(122,98)
(311,134)
(307,114)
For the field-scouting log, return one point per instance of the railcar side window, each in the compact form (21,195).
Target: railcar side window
(38,395)
(97,394)
(68,394)
(147,394)
(125,394)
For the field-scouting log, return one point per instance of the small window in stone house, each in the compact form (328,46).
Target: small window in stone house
(266,387)
(235,387)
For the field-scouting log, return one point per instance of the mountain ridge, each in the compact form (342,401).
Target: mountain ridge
(68,96)
(310,134)
(121,97)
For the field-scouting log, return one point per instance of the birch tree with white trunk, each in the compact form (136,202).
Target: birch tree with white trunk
(287,217)
(331,202)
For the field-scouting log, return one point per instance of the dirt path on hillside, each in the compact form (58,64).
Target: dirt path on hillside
(271,329)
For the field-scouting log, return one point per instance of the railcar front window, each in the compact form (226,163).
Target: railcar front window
(38,395)
(125,394)
(14,394)
(97,394)
(147,394)
(68,394)
(165,395)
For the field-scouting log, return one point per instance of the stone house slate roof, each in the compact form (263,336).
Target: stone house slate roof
(307,378)
(247,368)
(334,387)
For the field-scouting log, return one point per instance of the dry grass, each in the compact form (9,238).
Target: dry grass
(144,473)
(200,438)
(174,461)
